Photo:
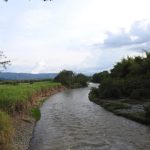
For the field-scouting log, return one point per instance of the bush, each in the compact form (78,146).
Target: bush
(31,82)
(139,94)
(135,94)
(109,89)
(35,113)
(112,92)
(94,94)
(128,78)
(6,129)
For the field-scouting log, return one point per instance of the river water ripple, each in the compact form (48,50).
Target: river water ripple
(70,121)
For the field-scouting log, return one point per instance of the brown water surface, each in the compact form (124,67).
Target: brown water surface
(70,121)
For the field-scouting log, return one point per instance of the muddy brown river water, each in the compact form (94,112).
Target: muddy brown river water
(70,121)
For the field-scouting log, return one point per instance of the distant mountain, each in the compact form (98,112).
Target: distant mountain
(25,76)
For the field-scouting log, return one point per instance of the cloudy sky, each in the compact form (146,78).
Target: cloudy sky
(82,35)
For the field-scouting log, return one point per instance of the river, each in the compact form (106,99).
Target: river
(69,121)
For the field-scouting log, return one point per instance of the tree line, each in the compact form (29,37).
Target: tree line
(129,78)
(70,79)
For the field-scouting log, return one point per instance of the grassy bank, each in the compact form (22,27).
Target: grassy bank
(134,110)
(15,98)
(21,98)
(129,79)
(6,131)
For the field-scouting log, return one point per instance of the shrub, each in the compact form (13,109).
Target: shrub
(112,92)
(109,89)
(140,94)
(135,94)
(94,94)
(35,112)
(128,78)
(31,82)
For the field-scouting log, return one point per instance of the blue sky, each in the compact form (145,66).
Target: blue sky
(81,35)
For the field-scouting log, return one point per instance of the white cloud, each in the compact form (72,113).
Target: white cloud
(47,37)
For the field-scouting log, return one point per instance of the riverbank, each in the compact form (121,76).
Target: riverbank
(24,124)
(19,110)
(131,109)
(70,121)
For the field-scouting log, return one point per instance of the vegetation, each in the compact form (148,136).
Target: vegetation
(99,77)
(129,79)
(115,106)
(14,98)
(6,130)
(35,113)
(69,79)
(16,82)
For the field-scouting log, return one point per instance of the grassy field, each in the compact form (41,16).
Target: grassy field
(14,97)
(20,98)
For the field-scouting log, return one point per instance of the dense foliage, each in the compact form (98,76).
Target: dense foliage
(69,79)
(98,77)
(129,78)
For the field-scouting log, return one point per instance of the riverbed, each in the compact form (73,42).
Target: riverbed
(69,121)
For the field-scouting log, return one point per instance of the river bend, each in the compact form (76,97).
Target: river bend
(69,121)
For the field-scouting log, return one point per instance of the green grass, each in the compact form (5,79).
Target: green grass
(113,106)
(35,113)
(20,97)
(15,97)
(117,106)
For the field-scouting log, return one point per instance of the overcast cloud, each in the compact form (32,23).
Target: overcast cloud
(138,37)
(81,35)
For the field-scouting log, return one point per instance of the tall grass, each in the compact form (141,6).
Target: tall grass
(15,97)
(20,97)
(6,131)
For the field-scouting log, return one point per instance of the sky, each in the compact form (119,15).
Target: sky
(85,36)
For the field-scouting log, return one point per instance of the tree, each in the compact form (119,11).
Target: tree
(81,79)
(71,80)
(129,78)
(99,77)
(66,77)
(4,62)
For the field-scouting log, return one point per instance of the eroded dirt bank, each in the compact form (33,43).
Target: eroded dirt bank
(24,123)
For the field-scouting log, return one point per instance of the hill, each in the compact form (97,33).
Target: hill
(25,76)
